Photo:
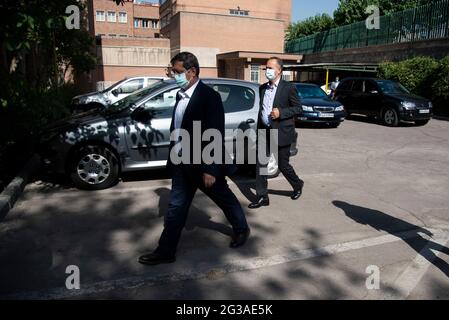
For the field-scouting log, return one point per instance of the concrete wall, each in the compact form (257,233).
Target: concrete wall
(120,58)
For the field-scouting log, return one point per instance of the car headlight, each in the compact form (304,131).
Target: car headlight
(307,108)
(340,108)
(408,105)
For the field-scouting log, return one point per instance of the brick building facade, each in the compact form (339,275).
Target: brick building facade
(128,41)
(232,38)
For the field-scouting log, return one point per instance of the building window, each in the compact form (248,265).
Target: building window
(155,24)
(238,12)
(100,15)
(145,23)
(136,23)
(122,17)
(112,17)
(255,73)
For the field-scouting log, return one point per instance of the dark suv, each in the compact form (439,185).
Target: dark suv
(383,99)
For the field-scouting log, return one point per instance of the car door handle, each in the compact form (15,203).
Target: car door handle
(250,121)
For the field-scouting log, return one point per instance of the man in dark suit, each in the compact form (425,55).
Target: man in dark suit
(196,103)
(279,104)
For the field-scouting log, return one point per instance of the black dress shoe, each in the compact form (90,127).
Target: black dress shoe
(297,193)
(155,258)
(239,239)
(262,202)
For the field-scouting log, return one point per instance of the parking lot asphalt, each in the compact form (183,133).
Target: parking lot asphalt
(375,198)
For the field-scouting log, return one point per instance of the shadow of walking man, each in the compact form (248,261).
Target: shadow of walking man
(384,222)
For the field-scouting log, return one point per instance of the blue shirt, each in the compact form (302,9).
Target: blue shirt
(268,100)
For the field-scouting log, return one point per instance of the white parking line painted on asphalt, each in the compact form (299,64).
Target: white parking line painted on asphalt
(230,267)
(413,274)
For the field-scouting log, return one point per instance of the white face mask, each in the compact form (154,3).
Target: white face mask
(271,74)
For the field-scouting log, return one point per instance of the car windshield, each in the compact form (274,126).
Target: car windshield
(306,92)
(114,85)
(391,87)
(135,97)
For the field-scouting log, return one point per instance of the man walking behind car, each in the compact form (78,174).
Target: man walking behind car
(279,104)
(196,102)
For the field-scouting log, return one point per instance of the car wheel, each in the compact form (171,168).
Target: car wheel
(421,122)
(94,168)
(390,117)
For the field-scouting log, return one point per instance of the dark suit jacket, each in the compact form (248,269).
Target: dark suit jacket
(206,106)
(289,104)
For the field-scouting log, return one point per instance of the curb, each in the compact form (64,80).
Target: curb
(15,188)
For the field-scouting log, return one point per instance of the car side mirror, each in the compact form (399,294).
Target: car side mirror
(115,92)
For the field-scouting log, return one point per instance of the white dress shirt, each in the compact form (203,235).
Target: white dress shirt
(185,96)
(268,101)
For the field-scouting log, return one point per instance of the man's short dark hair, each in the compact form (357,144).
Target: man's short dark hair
(279,61)
(188,59)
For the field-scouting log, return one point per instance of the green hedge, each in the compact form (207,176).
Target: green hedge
(423,76)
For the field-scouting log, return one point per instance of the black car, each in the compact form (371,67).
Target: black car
(319,107)
(383,99)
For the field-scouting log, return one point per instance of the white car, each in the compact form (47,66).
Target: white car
(112,94)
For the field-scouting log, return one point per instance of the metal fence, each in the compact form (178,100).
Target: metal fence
(422,23)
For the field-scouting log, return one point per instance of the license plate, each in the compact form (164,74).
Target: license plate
(326,115)
(424,111)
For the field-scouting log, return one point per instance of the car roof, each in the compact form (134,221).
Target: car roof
(306,84)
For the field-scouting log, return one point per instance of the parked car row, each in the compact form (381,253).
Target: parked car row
(121,129)
(132,134)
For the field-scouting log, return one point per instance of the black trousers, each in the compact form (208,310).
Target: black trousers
(285,167)
(184,187)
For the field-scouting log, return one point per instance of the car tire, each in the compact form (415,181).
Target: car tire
(390,117)
(94,168)
(421,123)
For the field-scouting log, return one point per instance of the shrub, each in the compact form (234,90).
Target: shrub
(441,88)
(417,74)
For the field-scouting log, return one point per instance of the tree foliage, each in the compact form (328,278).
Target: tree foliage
(318,23)
(350,11)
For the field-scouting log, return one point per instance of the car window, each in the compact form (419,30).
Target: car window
(162,105)
(391,87)
(131,86)
(153,81)
(358,86)
(235,98)
(345,85)
(311,92)
(370,87)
